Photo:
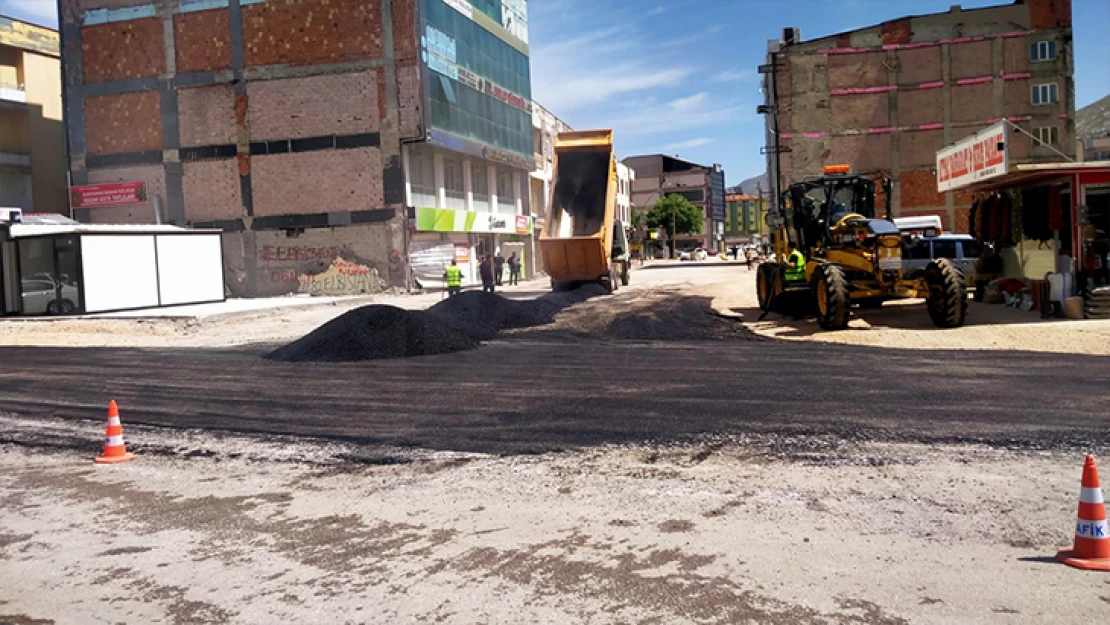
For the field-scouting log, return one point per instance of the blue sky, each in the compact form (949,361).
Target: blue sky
(678,76)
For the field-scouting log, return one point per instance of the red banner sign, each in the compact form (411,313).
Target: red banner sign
(111,194)
(981,156)
(522,223)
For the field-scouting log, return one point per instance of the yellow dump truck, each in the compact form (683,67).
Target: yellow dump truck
(582,240)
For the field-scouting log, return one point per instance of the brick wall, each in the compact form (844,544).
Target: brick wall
(973,103)
(129,122)
(918,188)
(918,148)
(860,111)
(291,183)
(970,60)
(313,106)
(202,40)
(302,32)
(206,115)
(920,106)
(409,99)
(155,179)
(919,65)
(122,50)
(857,70)
(1015,55)
(212,190)
(863,152)
(1049,13)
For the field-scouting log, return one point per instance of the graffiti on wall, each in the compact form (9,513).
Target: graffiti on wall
(325,269)
(341,278)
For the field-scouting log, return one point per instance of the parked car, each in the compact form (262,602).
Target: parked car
(960,248)
(694,254)
(40,295)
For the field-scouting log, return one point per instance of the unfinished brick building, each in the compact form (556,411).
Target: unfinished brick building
(885,98)
(279,122)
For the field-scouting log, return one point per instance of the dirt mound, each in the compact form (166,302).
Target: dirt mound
(372,333)
(377,332)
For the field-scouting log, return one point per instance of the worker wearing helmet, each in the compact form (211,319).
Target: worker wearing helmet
(795,263)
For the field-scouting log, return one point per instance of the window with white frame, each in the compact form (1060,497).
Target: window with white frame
(479,185)
(1045,94)
(1047,134)
(1042,51)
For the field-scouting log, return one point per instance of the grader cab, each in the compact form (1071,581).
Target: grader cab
(851,257)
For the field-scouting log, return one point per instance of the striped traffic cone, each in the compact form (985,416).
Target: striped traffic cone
(114,449)
(1092,538)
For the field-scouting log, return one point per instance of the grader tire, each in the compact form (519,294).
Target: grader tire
(830,289)
(947,301)
(764,283)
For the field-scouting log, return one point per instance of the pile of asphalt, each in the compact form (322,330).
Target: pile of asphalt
(459,323)
(372,333)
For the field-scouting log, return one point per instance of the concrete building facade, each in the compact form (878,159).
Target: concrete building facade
(32,138)
(545,127)
(885,98)
(743,217)
(658,175)
(468,181)
(625,177)
(311,132)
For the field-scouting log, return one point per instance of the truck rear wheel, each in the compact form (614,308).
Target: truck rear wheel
(626,271)
(830,289)
(947,301)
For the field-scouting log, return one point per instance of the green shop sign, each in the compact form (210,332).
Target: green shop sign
(448,220)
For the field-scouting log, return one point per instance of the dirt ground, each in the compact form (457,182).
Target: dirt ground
(592,470)
(723,530)
(905,324)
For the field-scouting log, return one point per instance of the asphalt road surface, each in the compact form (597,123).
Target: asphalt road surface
(536,393)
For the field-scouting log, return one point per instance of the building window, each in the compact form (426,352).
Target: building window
(506,199)
(479,185)
(422,178)
(1042,51)
(1045,94)
(453,188)
(1047,134)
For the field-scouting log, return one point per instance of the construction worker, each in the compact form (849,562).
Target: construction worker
(453,276)
(795,263)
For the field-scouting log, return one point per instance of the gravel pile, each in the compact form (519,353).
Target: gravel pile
(373,333)
(378,332)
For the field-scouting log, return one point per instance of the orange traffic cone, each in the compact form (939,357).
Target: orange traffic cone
(114,449)
(1092,538)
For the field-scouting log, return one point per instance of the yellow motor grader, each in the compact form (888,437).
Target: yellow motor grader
(851,257)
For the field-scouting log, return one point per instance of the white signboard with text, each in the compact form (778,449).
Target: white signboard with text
(981,156)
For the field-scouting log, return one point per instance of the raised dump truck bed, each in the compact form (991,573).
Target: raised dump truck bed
(581,240)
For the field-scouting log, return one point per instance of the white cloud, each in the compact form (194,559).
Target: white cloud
(734,75)
(44,12)
(690,143)
(656,11)
(689,102)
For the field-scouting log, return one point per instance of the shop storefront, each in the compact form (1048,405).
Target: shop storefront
(1047,222)
(70,268)
(443,234)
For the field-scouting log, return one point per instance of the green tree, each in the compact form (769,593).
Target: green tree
(675,212)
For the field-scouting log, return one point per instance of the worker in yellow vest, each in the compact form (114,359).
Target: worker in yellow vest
(453,276)
(795,264)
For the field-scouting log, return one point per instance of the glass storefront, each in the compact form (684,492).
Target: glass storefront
(41,276)
(479,86)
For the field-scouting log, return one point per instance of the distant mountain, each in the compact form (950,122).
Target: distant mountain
(751,186)
(1093,120)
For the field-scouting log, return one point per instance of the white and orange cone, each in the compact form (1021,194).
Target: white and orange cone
(114,449)
(1092,537)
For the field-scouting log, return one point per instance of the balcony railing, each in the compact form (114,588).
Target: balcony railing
(13,93)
